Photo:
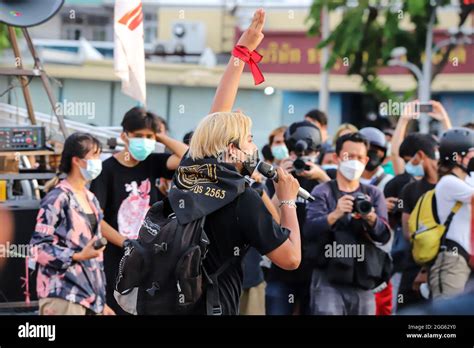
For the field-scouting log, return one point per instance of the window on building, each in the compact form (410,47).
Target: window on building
(150,26)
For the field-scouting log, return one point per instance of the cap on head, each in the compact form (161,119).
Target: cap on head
(305,134)
(375,137)
(456,141)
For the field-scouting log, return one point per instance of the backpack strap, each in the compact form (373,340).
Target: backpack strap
(364,190)
(213,302)
(379,179)
(448,221)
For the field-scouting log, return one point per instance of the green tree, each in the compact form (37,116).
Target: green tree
(4,42)
(370,31)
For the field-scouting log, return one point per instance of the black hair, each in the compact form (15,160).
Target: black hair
(415,142)
(163,122)
(77,145)
(324,151)
(187,137)
(354,137)
(138,118)
(318,116)
(267,153)
(468,125)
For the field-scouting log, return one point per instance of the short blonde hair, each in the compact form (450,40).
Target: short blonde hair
(344,127)
(216,131)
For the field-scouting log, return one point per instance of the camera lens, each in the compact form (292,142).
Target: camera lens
(299,164)
(362,205)
(301,146)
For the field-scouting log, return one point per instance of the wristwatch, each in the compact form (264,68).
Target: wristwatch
(290,203)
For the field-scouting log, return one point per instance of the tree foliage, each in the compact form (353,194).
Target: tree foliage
(370,31)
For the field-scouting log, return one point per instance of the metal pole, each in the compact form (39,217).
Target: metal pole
(425,84)
(23,79)
(324,74)
(45,81)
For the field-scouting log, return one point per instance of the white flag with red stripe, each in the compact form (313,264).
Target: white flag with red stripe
(129,50)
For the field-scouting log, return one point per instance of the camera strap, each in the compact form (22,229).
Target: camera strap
(335,190)
(338,194)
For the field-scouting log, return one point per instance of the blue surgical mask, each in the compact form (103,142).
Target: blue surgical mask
(329,166)
(414,170)
(141,148)
(93,169)
(280,152)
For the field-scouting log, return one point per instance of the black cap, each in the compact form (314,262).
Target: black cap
(305,134)
(458,141)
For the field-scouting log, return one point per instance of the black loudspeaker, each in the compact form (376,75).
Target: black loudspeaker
(28,13)
(11,289)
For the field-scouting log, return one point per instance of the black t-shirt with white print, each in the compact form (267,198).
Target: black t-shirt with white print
(125,194)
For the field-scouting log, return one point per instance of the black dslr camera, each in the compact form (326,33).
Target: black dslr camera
(299,164)
(362,205)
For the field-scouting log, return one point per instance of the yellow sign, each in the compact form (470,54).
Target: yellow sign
(3,190)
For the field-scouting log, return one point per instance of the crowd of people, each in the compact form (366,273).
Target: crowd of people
(357,247)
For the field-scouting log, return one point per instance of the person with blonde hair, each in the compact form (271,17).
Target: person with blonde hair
(343,129)
(210,182)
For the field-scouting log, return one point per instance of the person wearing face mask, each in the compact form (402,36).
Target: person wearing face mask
(448,274)
(70,279)
(211,182)
(339,285)
(420,153)
(126,188)
(326,161)
(276,141)
(303,139)
(374,173)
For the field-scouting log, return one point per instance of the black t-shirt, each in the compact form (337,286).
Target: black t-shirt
(125,194)
(394,188)
(242,223)
(412,192)
(303,273)
(253,273)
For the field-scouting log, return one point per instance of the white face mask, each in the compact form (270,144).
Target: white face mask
(351,169)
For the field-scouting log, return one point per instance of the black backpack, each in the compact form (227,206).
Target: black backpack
(161,273)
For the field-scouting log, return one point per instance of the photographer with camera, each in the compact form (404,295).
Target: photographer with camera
(346,225)
(303,140)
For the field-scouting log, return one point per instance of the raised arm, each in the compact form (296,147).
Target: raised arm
(400,133)
(229,84)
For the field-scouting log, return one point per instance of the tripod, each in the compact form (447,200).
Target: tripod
(37,71)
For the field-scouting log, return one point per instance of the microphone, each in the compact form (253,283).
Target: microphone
(99,243)
(268,171)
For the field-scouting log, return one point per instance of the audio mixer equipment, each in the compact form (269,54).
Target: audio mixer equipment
(27,138)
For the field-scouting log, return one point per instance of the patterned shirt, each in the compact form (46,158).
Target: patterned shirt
(62,229)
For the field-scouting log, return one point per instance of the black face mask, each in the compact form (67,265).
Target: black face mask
(250,163)
(374,160)
(470,166)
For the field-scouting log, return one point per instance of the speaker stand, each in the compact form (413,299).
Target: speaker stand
(37,71)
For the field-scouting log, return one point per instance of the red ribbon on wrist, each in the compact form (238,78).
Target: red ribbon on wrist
(250,58)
